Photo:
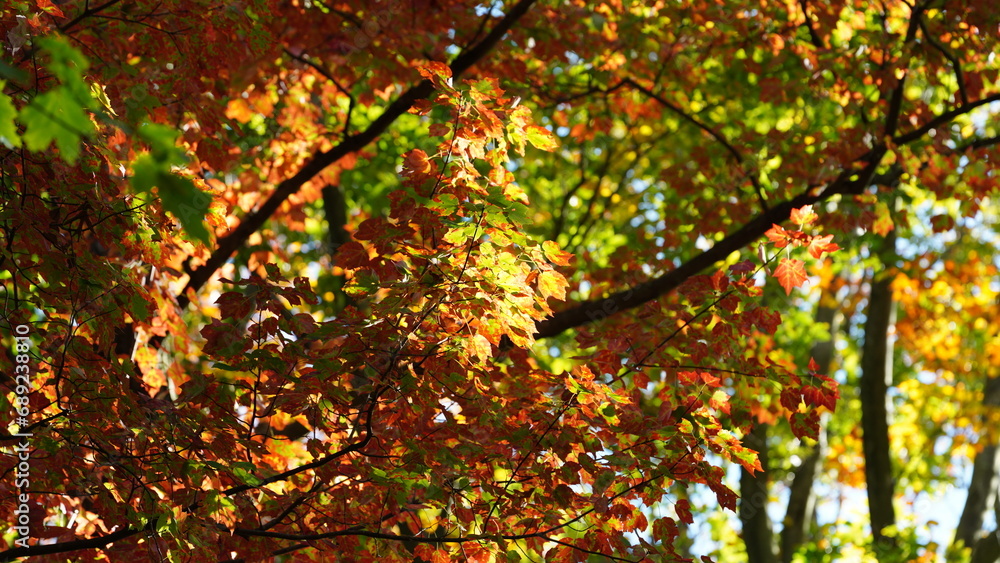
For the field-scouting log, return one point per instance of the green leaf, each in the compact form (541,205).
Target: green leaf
(68,64)
(8,130)
(14,74)
(244,472)
(178,195)
(162,141)
(56,116)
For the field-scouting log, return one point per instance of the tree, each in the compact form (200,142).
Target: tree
(437,279)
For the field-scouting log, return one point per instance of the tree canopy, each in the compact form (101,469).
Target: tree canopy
(434,280)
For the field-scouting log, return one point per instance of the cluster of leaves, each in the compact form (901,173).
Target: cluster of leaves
(294,283)
(415,412)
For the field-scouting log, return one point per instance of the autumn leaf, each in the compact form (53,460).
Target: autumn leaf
(683,510)
(552,284)
(480,347)
(352,255)
(791,273)
(555,254)
(438,73)
(399,366)
(883,219)
(777,235)
(803,215)
(819,245)
(541,138)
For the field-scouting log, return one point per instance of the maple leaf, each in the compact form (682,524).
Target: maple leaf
(803,215)
(541,138)
(683,510)
(552,284)
(805,424)
(555,254)
(777,235)
(438,73)
(480,346)
(791,273)
(819,245)
(352,255)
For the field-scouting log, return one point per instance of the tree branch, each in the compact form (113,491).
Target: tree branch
(230,243)
(711,132)
(955,63)
(896,102)
(598,309)
(849,182)
(75,545)
(943,119)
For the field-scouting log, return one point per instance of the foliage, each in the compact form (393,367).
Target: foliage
(436,280)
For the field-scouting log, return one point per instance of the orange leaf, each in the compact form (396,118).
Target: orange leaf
(481,347)
(819,245)
(778,235)
(803,215)
(555,254)
(51,8)
(239,110)
(438,73)
(791,273)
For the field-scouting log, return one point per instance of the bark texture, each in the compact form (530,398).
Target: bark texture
(982,492)
(876,376)
(757,534)
(802,497)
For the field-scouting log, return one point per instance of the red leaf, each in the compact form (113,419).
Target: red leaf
(791,273)
(805,425)
(438,73)
(352,255)
(51,8)
(683,510)
(710,380)
(439,130)
(688,377)
(665,529)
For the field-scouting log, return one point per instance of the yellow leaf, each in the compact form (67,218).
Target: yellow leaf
(552,284)
(481,347)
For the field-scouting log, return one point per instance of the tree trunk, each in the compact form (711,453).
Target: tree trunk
(876,376)
(982,490)
(987,549)
(335,209)
(802,497)
(753,502)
